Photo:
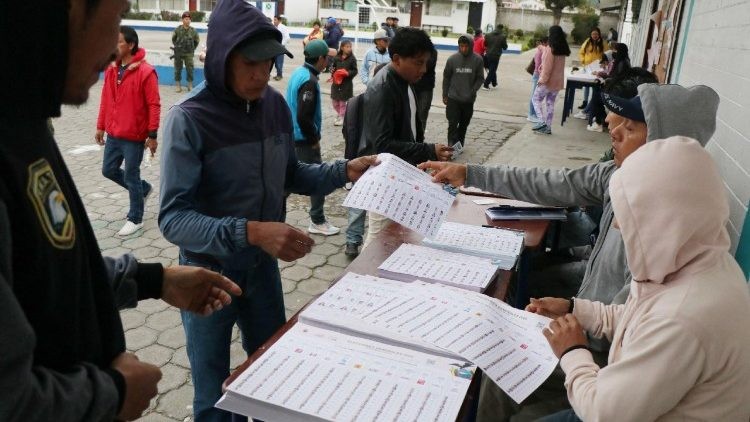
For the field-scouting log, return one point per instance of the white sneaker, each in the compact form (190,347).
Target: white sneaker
(532,119)
(129,228)
(485,88)
(326,229)
(581,115)
(339,122)
(594,127)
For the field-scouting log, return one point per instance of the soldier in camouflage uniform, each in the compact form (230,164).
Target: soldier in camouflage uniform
(185,40)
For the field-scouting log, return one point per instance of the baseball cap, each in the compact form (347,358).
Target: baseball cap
(318,48)
(263,46)
(627,108)
(379,35)
(186,15)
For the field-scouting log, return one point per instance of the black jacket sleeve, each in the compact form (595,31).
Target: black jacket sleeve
(306,102)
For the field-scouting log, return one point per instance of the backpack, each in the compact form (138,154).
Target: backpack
(355,144)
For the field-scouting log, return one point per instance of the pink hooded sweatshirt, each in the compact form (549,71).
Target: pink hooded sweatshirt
(681,342)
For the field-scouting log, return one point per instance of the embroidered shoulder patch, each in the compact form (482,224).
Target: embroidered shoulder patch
(50,205)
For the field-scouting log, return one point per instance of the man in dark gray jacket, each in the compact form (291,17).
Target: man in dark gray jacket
(606,277)
(462,77)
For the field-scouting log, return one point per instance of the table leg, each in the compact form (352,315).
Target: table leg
(522,283)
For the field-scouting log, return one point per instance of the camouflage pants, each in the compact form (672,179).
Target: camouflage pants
(188,60)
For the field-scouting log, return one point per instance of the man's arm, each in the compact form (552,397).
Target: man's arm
(34,393)
(196,39)
(179,221)
(153,101)
(478,74)
(598,319)
(313,179)
(586,185)
(504,44)
(665,350)
(364,75)
(447,76)
(174,35)
(307,100)
(104,104)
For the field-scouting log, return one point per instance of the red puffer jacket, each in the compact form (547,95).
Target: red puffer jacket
(130,110)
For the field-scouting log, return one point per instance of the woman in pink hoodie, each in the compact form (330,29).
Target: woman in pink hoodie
(551,79)
(681,342)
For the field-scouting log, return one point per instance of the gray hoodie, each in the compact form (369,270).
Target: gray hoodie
(463,74)
(607,278)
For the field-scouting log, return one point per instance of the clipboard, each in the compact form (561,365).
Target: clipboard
(506,212)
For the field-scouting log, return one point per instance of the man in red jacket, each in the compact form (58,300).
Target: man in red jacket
(129,113)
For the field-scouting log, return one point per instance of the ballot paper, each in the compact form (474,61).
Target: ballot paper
(403,193)
(314,374)
(410,262)
(503,246)
(506,343)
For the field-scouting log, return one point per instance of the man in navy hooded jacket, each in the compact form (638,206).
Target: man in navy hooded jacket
(228,159)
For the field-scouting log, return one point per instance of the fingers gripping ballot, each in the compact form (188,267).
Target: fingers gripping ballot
(279,239)
(443,172)
(565,333)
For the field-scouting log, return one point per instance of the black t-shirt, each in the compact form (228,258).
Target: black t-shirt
(57,273)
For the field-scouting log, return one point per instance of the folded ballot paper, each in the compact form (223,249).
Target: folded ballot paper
(411,262)
(403,193)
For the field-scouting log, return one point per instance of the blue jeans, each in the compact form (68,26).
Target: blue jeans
(278,63)
(535,81)
(259,313)
(356,230)
(115,152)
(586,94)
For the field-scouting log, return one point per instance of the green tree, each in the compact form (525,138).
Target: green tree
(557,6)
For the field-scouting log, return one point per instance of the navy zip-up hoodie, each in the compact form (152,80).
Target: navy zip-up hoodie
(227,161)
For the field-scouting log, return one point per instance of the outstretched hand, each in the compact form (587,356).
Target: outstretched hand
(279,240)
(197,289)
(551,307)
(356,168)
(443,172)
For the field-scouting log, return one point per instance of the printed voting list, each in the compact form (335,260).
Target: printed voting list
(314,374)
(506,343)
(410,262)
(501,245)
(403,193)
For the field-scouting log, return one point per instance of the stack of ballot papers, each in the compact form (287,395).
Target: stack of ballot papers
(503,246)
(411,262)
(377,349)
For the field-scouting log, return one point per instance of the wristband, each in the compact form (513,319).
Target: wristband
(571,348)
(152,135)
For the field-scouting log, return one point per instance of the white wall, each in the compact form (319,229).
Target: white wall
(300,10)
(716,53)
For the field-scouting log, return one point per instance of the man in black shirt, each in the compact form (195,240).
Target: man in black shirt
(63,347)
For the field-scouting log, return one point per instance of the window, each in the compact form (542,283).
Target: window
(437,8)
(207,5)
(172,5)
(332,4)
(148,5)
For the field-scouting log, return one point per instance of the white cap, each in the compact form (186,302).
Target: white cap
(379,35)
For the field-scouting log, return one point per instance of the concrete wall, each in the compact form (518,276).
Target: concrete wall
(529,19)
(713,50)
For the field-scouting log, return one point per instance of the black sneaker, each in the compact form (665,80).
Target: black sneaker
(583,105)
(352,250)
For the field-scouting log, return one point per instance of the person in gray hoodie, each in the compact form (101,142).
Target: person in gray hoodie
(656,113)
(462,77)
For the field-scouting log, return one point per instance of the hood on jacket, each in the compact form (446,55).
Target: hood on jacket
(669,201)
(39,59)
(467,39)
(136,60)
(673,110)
(232,22)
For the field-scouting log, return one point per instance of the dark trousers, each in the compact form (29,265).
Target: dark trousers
(459,115)
(595,107)
(115,152)
(310,154)
(492,65)
(424,102)
(278,63)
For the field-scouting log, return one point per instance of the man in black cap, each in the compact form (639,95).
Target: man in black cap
(185,40)
(228,161)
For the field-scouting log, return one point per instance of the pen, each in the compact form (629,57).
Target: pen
(502,228)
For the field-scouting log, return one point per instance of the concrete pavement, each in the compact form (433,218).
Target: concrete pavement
(498,133)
